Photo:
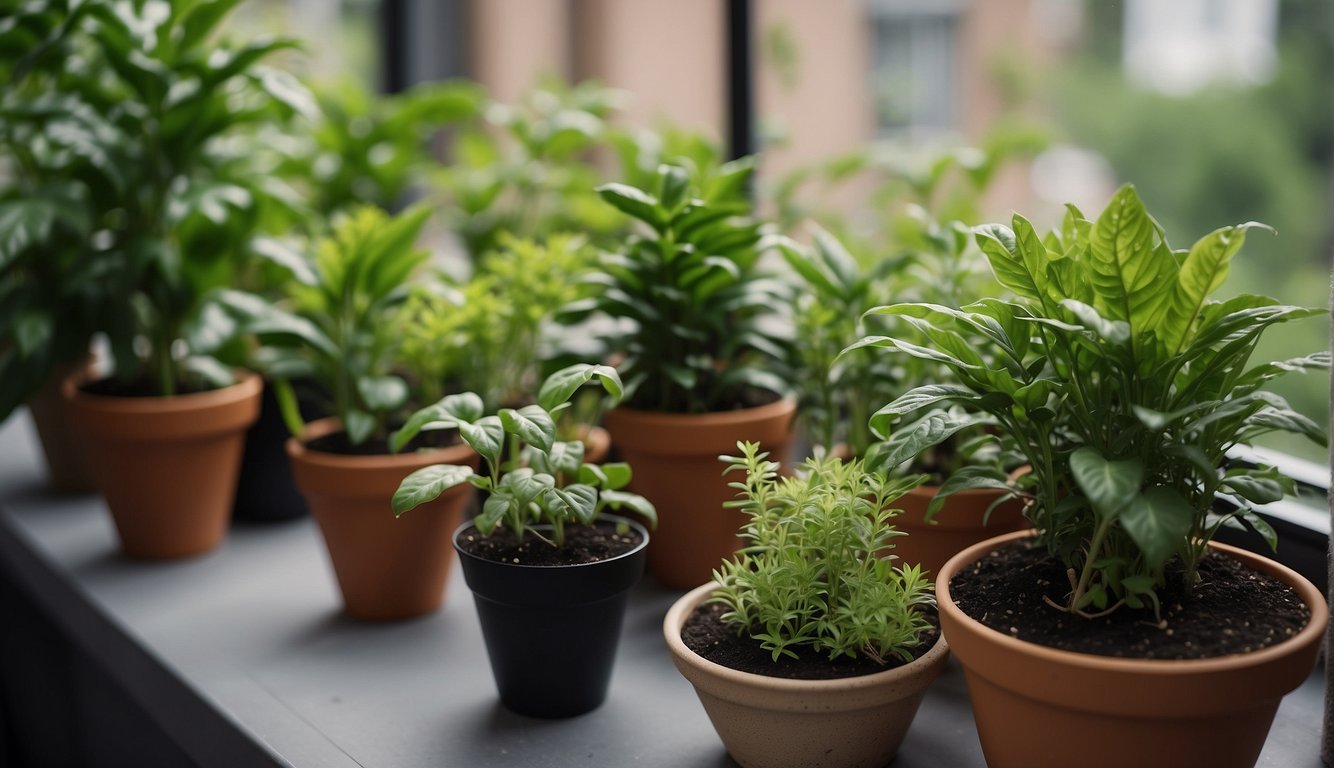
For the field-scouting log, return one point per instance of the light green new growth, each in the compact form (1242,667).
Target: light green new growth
(812,574)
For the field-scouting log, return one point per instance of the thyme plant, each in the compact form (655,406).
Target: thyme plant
(811,574)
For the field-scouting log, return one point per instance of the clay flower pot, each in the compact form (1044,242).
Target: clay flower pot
(961,523)
(167,466)
(675,460)
(768,721)
(66,467)
(551,631)
(1037,706)
(387,568)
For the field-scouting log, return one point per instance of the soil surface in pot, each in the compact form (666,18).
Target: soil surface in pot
(141,388)
(1232,610)
(735,399)
(337,442)
(583,544)
(705,633)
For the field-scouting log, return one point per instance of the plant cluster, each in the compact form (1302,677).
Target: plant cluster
(336,332)
(812,574)
(691,288)
(1123,383)
(532,479)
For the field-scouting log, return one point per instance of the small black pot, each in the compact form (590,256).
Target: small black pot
(265,491)
(551,631)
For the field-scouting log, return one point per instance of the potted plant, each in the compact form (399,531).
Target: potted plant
(692,349)
(838,391)
(168,424)
(810,648)
(549,571)
(341,332)
(1125,385)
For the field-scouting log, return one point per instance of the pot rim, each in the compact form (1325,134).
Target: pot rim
(643,544)
(1312,632)
(781,406)
(297,450)
(248,384)
(681,609)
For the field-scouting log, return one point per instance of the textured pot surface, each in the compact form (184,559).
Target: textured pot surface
(167,466)
(265,490)
(961,523)
(387,568)
(67,469)
(551,632)
(772,721)
(675,462)
(1037,706)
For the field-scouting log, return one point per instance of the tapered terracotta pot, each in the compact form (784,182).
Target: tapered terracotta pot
(960,523)
(167,466)
(67,469)
(1037,706)
(676,466)
(774,721)
(387,568)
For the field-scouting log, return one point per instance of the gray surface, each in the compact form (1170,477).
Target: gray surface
(243,654)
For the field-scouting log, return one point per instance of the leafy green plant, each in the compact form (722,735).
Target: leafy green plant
(340,330)
(490,333)
(151,107)
(543,482)
(811,574)
(691,288)
(1123,383)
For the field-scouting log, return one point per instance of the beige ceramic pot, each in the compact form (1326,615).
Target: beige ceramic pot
(166,466)
(675,462)
(772,721)
(1038,707)
(387,568)
(66,467)
(960,523)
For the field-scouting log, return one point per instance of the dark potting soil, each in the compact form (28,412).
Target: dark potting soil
(337,442)
(583,544)
(705,633)
(112,387)
(1232,610)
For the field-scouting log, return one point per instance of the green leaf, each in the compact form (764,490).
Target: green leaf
(1256,489)
(359,426)
(916,399)
(1114,331)
(574,502)
(287,90)
(382,393)
(450,411)
(561,385)
(486,436)
(1020,272)
(633,202)
(1203,272)
(493,511)
(1158,521)
(932,429)
(532,424)
(1108,485)
(675,183)
(1131,279)
(634,502)
(426,484)
(968,478)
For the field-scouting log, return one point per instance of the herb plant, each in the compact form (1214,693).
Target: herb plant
(340,331)
(811,574)
(1123,383)
(532,479)
(691,290)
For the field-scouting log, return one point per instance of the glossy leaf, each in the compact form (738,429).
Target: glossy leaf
(426,484)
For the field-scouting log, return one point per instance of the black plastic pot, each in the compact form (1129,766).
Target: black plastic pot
(551,631)
(265,491)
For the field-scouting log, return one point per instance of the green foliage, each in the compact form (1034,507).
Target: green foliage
(490,334)
(143,130)
(544,482)
(811,574)
(689,284)
(1123,383)
(340,331)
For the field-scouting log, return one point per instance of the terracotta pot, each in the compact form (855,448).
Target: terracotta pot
(1037,706)
(387,568)
(67,469)
(551,631)
(961,523)
(167,466)
(675,462)
(769,721)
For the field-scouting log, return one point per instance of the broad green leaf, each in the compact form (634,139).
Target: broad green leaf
(1203,272)
(675,183)
(359,426)
(916,399)
(574,502)
(998,244)
(450,411)
(968,478)
(493,511)
(1158,521)
(1114,331)
(1109,485)
(633,502)
(1256,489)
(531,423)
(426,484)
(1131,281)
(561,385)
(382,393)
(633,202)
(928,431)
(486,436)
